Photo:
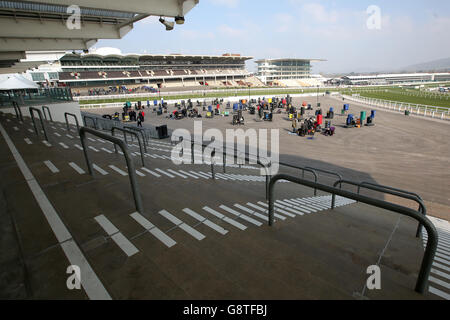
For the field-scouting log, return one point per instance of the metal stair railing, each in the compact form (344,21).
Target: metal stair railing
(332,173)
(430,251)
(128,159)
(44,108)
(67,121)
(388,190)
(32,110)
(130,132)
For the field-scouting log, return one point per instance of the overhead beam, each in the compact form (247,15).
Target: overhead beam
(27,44)
(12,55)
(167,8)
(30,28)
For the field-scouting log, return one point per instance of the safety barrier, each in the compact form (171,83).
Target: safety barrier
(316,177)
(130,132)
(48,111)
(94,121)
(417,109)
(67,121)
(32,110)
(389,190)
(128,159)
(331,173)
(432,243)
(142,134)
(17,110)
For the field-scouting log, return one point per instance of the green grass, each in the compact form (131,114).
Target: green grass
(406,96)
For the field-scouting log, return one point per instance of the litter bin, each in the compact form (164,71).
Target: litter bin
(162,132)
(407,113)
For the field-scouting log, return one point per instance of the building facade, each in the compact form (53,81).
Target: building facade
(271,70)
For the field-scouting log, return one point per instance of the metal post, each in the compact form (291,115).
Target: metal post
(67,121)
(131,133)
(32,109)
(129,161)
(49,113)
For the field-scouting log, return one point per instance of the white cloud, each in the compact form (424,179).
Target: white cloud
(196,35)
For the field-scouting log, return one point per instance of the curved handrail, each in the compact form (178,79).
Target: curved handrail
(332,173)
(94,120)
(32,110)
(391,188)
(67,121)
(17,110)
(125,131)
(49,113)
(316,177)
(126,153)
(432,243)
(142,134)
(422,208)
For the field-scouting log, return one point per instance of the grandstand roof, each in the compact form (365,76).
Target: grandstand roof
(40,25)
(71,56)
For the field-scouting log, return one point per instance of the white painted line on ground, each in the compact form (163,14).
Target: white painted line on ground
(28,141)
(165,173)
(76,168)
(205,221)
(161,236)
(195,173)
(92,148)
(51,166)
(69,136)
(78,147)
(234,223)
(439,293)
(440,273)
(57,134)
(46,143)
(253,213)
(30,130)
(177,174)
(100,170)
(140,174)
(116,236)
(107,151)
(90,139)
(151,172)
(440,266)
(121,172)
(276,215)
(188,174)
(100,140)
(16,129)
(180,224)
(242,216)
(277,209)
(63,145)
(439,282)
(204,175)
(90,282)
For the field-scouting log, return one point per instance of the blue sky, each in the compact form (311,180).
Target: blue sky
(411,32)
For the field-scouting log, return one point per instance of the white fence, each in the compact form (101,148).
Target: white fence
(414,109)
(226,99)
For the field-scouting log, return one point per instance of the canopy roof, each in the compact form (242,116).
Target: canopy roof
(16,82)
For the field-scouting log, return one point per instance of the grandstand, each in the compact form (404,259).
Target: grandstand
(288,72)
(384,79)
(158,71)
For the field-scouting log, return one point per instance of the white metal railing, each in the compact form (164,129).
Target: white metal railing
(415,109)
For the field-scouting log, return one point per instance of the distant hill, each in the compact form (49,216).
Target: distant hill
(436,65)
